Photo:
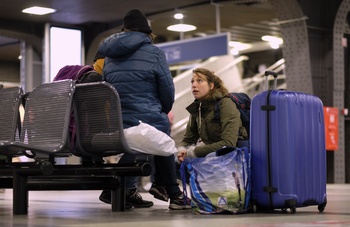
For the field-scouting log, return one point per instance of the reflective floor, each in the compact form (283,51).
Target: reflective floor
(82,208)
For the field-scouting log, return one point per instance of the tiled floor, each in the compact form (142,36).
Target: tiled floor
(82,208)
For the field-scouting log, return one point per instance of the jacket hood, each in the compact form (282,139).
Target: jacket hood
(123,43)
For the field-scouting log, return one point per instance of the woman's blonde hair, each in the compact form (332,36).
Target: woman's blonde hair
(211,78)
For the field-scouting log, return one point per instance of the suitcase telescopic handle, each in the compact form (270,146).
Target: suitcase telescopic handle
(267,74)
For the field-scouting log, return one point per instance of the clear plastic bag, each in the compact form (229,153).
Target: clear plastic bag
(219,184)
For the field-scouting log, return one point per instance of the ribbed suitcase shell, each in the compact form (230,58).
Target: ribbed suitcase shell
(289,165)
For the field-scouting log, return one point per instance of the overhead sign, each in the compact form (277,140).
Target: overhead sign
(196,48)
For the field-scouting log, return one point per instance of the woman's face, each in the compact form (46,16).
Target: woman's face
(200,86)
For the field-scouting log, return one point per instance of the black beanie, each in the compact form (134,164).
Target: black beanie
(135,20)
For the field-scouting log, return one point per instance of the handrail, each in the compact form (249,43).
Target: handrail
(250,84)
(232,64)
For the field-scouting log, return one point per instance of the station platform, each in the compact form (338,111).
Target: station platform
(83,208)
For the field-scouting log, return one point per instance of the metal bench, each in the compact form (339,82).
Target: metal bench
(45,135)
(10,125)
(46,118)
(99,128)
(98,117)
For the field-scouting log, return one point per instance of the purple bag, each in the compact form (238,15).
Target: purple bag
(74,72)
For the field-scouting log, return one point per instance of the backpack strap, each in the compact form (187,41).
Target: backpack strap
(242,102)
(217,108)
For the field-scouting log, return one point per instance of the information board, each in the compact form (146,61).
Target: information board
(196,48)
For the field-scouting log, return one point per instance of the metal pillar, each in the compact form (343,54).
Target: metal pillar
(338,86)
(31,67)
(295,46)
(298,63)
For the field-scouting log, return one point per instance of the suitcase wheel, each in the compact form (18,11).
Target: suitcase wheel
(322,206)
(255,208)
(291,204)
(293,210)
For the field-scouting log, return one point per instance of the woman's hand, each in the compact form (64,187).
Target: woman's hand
(181,156)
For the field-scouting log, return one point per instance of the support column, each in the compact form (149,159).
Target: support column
(31,67)
(296,45)
(338,86)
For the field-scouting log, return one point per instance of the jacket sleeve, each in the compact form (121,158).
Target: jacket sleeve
(166,89)
(230,122)
(191,134)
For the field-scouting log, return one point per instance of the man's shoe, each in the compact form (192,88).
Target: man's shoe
(159,192)
(180,203)
(106,196)
(133,197)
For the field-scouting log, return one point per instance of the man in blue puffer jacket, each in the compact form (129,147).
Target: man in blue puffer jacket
(140,73)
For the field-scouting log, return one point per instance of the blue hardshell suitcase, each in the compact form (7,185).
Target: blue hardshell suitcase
(288,153)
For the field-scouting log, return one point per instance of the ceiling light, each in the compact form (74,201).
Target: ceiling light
(274,45)
(37,10)
(181,27)
(239,46)
(234,51)
(178,16)
(274,42)
(274,39)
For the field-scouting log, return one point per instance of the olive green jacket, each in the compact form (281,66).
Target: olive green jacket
(204,127)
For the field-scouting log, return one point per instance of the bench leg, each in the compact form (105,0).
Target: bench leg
(118,196)
(20,194)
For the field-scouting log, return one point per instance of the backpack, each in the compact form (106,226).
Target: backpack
(74,72)
(81,74)
(242,102)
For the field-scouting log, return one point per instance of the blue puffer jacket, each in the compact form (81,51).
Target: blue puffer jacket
(140,73)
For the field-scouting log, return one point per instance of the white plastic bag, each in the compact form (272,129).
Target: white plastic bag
(149,140)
